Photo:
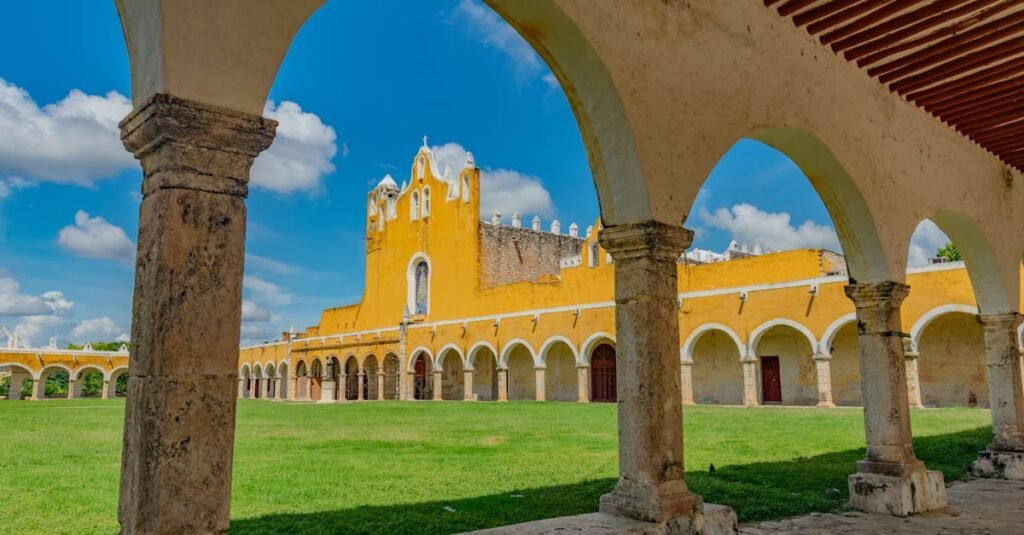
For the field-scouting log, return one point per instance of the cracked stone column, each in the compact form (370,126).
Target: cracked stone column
(241,388)
(650,421)
(583,383)
(686,381)
(17,378)
(910,356)
(1004,457)
(749,382)
(467,384)
(438,385)
(502,384)
(822,364)
(279,388)
(106,392)
(539,383)
(180,416)
(890,479)
(38,389)
(359,385)
(72,393)
(380,385)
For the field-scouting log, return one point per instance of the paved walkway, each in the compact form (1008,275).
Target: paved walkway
(982,506)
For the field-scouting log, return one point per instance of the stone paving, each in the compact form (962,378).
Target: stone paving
(982,506)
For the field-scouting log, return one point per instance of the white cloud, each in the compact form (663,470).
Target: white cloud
(505,190)
(253,312)
(924,243)
(30,327)
(15,303)
(301,154)
(749,224)
(11,184)
(97,329)
(266,291)
(94,237)
(269,264)
(74,141)
(484,25)
(255,333)
(124,337)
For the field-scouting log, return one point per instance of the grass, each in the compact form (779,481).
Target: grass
(395,467)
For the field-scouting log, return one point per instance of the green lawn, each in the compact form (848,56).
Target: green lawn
(439,467)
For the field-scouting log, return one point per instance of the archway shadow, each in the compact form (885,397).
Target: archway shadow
(758,491)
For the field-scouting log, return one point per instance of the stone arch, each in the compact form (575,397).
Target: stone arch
(114,389)
(560,358)
(951,364)
(482,358)
(785,369)
(825,344)
(316,379)
(21,379)
(758,332)
(371,370)
(392,367)
(511,345)
(475,350)
(686,352)
(441,353)
(450,363)
(588,345)
(931,315)
(520,362)
(283,383)
(302,380)
(80,376)
(45,374)
(271,379)
(244,372)
(996,281)
(350,371)
(257,377)
(421,366)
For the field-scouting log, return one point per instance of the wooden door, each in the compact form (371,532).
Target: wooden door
(421,380)
(602,374)
(314,388)
(771,380)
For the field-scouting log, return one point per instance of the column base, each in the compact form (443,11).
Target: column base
(643,501)
(999,465)
(826,404)
(912,493)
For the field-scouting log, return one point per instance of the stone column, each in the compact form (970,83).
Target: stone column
(279,387)
(38,389)
(686,381)
(890,479)
(359,385)
(583,383)
(823,365)
(328,387)
(467,384)
(540,384)
(749,382)
(380,385)
(241,388)
(502,384)
(180,416)
(910,356)
(438,385)
(72,393)
(108,385)
(16,380)
(1004,457)
(651,486)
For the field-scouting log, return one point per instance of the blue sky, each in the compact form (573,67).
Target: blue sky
(361,85)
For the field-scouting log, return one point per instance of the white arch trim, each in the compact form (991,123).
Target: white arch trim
(546,346)
(686,352)
(411,365)
(50,367)
(282,370)
(85,368)
(755,336)
(590,343)
(257,371)
(439,364)
(21,366)
(931,315)
(243,370)
(825,345)
(511,344)
(116,372)
(473,351)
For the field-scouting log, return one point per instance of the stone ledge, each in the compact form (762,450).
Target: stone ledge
(917,492)
(999,465)
(715,520)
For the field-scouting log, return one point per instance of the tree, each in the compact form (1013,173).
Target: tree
(949,252)
(102,346)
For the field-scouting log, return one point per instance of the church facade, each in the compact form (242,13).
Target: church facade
(456,308)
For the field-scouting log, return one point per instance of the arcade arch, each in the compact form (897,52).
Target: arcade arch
(783,351)
(483,358)
(520,363)
(560,377)
(450,364)
(372,388)
(715,353)
(422,369)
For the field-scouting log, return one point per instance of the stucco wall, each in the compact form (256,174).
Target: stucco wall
(845,367)
(560,375)
(522,381)
(717,372)
(952,362)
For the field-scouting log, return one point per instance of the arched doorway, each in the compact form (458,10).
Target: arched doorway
(271,373)
(282,380)
(351,378)
(370,381)
(453,386)
(422,377)
(844,366)
(522,375)
(392,367)
(89,383)
(316,379)
(786,368)
(717,375)
(485,372)
(951,366)
(257,378)
(602,374)
(20,382)
(560,377)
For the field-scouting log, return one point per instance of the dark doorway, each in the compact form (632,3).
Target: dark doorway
(602,374)
(771,380)
(422,381)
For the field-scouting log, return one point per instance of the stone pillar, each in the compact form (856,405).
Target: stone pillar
(749,382)
(359,385)
(583,383)
(540,384)
(38,389)
(686,381)
(438,385)
(910,356)
(890,479)
(108,386)
(467,384)
(502,384)
(279,387)
(380,385)
(241,388)
(1004,457)
(180,416)
(650,421)
(16,380)
(328,387)
(823,365)
(73,392)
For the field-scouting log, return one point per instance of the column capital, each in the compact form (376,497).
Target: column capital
(818,357)
(183,144)
(1003,320)
(645,239)
(877,294)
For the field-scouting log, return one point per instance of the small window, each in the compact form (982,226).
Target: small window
(426,202)
(414,208)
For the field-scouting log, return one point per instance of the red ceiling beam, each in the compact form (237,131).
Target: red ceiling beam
(955,67)
(968,84)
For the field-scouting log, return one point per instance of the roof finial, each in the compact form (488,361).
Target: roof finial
(424,141)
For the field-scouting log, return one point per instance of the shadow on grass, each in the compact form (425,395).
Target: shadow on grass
(757,491)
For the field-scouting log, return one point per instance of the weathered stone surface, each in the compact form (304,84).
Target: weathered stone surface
(999,464)
(509,254)
(916,492)
(1005,390)
(179,420)
(713,520)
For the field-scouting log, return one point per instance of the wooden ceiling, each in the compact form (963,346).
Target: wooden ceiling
(960,60)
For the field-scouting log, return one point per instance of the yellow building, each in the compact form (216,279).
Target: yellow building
(458,308)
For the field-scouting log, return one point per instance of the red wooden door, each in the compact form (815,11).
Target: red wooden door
(771,380)
(421,380)
(314,388)
(602,374)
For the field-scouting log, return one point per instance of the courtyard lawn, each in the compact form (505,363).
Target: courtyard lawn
(440,467)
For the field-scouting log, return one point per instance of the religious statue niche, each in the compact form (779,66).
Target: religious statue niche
(422,289)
